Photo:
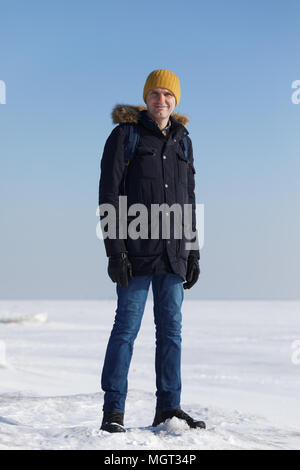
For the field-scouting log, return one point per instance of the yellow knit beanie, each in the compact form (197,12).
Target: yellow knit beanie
(163,78)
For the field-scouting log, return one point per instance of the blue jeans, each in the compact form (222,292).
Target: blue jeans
(167,297)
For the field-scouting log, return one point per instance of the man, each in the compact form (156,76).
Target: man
(161,172)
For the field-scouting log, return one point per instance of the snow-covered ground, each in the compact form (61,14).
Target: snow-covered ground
(240,371)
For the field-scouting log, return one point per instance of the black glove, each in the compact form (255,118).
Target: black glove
(120,269)
(192,272)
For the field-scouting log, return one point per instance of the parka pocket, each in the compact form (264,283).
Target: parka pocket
(147,161)
(183,168)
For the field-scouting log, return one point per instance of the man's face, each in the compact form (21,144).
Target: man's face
(160,102)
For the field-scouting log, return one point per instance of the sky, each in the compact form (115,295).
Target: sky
(67,64)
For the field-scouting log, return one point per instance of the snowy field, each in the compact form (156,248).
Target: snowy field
(240,371)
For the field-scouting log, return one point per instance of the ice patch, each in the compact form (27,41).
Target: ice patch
(19,318)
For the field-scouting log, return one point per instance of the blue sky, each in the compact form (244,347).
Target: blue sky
(66,64)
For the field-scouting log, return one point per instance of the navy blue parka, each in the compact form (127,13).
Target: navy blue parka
(159,173)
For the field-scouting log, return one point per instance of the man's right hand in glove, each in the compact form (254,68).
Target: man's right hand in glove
(120,269)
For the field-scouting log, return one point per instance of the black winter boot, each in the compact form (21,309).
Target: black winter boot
(113,422)
(161,416)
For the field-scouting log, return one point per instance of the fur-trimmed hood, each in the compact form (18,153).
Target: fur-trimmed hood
(127,113)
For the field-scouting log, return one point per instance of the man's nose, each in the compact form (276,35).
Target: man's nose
(161,98)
